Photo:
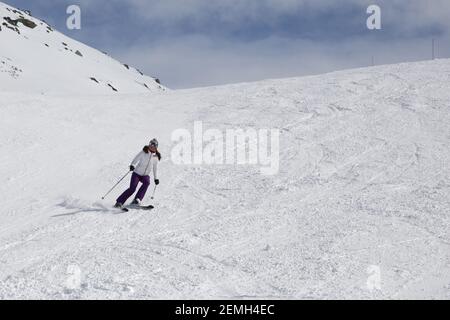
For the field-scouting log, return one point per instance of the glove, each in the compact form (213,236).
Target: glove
(156,181)
(132,168)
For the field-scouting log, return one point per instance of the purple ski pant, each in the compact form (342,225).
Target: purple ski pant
(135,179)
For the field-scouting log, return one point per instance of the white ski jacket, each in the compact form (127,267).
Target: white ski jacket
(144,163)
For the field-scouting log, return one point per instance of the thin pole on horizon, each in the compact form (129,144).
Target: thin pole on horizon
(432,49)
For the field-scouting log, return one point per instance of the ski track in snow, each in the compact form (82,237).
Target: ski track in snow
(364,181)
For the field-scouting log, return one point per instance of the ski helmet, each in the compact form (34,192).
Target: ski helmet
(154,143)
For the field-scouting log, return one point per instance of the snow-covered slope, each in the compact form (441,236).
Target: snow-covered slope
(359,209)
(36,58)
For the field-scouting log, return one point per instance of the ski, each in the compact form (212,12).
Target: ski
(131,207)
(121,209)
(128,208)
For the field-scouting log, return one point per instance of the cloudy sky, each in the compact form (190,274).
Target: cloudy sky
(191,43)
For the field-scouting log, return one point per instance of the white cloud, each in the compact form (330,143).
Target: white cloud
(409,13)
(199,61)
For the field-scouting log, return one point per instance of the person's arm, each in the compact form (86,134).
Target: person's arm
(136,161)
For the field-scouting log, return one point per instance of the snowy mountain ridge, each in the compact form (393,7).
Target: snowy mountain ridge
(36,58)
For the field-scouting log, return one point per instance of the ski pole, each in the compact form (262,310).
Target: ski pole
(154,190)
(103,198)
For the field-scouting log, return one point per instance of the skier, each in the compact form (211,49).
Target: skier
(145,162)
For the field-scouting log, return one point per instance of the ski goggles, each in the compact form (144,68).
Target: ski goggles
(153,144)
